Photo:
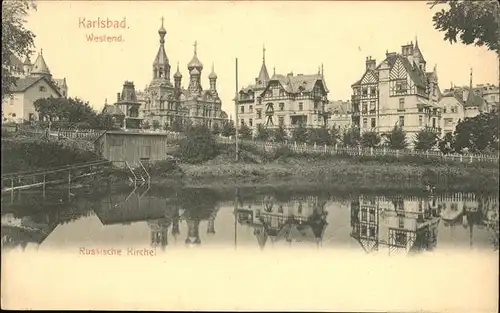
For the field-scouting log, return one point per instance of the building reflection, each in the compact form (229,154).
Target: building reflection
(398,225)
(296,220)
(163,212)
(471,212)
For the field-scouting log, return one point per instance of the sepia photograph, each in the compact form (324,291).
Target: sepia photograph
(337,156)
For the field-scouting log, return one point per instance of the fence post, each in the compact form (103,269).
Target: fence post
(397,154)
(470,159)
(461,158)
(371,150)
(384,151)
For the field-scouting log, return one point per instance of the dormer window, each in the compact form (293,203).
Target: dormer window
(42,88)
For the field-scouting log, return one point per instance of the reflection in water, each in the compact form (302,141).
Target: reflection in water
(294,220)
(400,224)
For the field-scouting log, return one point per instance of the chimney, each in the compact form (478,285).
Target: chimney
(289,74)
(390,54)
(370,63)
(117,97)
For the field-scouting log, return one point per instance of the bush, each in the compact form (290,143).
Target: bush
(199,145)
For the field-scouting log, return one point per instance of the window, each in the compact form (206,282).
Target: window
(31,117)
(420,110)
(372,216)
(365,123)
(373,91)
(365,92)
(401,104)
(250,122)
(250,108)
(281,120)
(444,110)
(42,88)
(373,123)
(420,120)
(453,109)
(363,216)
(259,113)
(242,109)
(401,121)
(282,93)
(365,107)
(242,122)
(371,232)
(282,106)
(301,106)
(401,222)
(433,122)
(372,106)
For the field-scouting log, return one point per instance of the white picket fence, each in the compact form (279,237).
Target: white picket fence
(92,134)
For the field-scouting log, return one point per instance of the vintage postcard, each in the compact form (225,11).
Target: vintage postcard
(307,156)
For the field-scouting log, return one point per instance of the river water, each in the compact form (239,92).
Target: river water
(163,219)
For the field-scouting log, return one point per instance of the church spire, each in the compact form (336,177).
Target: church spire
(161,66)
(470,80)
(263,77)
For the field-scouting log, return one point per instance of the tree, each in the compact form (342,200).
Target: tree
(199,145)
(245,132)
(396,139)
(48,108)
(262,133)
(228,129)
(479,133)
(474,22)
(299,134)
(370,139)
(279,134)
(425,139)
(351,137)
(334,135)
(177,125)
(16,39)
(446,143)
(216,129)
(319,136)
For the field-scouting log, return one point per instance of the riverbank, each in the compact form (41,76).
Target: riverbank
(341,175)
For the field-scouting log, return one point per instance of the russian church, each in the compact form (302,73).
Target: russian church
(34,81)
(167,102)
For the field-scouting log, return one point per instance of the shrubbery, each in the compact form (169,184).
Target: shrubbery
(199,145)
(19,155)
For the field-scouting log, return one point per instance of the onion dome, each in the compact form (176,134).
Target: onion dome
(212,74)
(195,62)
(178,73)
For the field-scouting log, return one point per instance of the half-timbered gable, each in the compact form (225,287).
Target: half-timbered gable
(397,91)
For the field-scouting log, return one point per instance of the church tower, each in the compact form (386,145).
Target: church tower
(213,82)
(161,66)
(177,78)
(195,68)
(193,235)
(27,66)
(418,58)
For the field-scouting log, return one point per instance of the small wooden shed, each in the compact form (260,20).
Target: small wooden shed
(133,146)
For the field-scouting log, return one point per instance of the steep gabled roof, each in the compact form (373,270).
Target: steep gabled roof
(415,73)
(112,110)
(22,84)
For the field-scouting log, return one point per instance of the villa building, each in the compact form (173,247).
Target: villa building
(397,92)
(34,81)
(457,103)
(286,100)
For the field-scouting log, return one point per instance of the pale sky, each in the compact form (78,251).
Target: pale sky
(299,37)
